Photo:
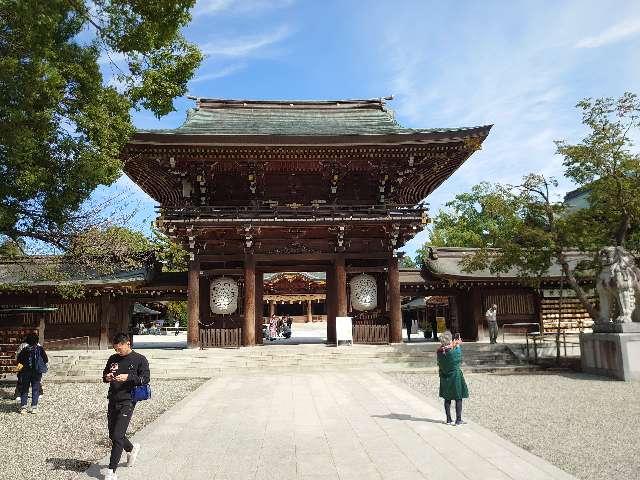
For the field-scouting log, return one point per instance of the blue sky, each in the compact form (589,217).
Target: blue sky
(520,65)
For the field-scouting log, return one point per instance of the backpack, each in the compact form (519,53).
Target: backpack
(37,362)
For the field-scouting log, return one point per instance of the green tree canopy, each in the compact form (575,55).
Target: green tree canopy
(523,226)
(605,164)
(62,125)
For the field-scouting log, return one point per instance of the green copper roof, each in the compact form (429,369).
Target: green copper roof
(285,117)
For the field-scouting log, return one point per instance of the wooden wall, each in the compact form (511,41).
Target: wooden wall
(95,317)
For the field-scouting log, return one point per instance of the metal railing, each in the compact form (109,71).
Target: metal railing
(539,339)
(86,337)
(518,326)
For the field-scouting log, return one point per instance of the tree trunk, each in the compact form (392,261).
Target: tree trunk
(593,313)
(623,228)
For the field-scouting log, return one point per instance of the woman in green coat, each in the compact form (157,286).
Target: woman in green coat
(452,384)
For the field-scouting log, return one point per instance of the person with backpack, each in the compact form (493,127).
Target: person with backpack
(34,361)
(126,371)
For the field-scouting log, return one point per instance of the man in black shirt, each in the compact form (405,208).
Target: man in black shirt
(124,371)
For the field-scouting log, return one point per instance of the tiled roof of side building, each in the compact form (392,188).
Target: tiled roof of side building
(293,117)
(445,262)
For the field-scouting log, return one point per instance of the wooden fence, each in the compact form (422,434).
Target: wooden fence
(371,331)
(220,337)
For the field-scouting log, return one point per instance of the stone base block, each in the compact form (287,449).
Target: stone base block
(633,327)
(614,355)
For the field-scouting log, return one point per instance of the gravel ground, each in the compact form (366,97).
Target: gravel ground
(588,426)
(70,429)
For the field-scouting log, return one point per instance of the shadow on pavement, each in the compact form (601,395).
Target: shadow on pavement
(404,416)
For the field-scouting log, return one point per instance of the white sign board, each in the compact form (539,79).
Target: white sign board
(344,332)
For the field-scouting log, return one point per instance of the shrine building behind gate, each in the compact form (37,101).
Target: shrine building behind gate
(260,187)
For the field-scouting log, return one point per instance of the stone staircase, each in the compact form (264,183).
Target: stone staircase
(164,363)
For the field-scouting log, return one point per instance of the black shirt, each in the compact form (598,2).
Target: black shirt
(134,365)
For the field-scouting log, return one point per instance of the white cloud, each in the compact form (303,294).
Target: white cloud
(613,34)
(522,84)
(215,7)
(223,72)
(245,46)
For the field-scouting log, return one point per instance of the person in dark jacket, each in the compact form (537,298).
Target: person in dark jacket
(125,370)
(452,384)
(33,359)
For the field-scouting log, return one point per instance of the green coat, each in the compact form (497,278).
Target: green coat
(452,384)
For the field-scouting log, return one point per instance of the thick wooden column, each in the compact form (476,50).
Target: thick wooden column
(193,304)
(341,287)
(249,320)
(395,327)
(309,312)
(105,314)
(40,319)
(259,307)
(272,308)
(478,314)
(331,305)
(381,279)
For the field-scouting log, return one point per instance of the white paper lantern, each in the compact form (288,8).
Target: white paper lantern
(223,296)
(364,292)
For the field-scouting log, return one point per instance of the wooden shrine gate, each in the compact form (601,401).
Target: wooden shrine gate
(255,186)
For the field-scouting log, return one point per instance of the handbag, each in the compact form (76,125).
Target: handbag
(141,392)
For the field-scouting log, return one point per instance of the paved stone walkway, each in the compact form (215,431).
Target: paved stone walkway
(327,425)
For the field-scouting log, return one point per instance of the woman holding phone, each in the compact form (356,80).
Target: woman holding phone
(452,384)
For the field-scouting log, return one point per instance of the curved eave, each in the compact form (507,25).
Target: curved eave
(411,137)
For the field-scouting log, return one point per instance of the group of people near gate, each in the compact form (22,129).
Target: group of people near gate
(126,372)
(278,327)
(128,375)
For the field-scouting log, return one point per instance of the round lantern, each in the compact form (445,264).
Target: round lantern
(364,292)
(223,296)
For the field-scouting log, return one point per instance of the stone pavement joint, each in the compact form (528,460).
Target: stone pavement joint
(322,425)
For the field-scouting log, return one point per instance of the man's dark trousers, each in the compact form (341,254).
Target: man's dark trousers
(118,417)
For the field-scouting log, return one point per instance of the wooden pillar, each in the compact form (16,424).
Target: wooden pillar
(331,305)
(395,314)
(259,307)
(272,308)
(105,314)
(478,314)
(40,318)
(381,280)
(193,304)
(249,320)
(309,312)
(341,287)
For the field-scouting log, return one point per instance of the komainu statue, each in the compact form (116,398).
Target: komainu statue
(618,286)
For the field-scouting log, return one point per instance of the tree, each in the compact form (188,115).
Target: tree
(11,248)
(172,255)
(178,311)
(407,262)
(108,250)
(604,163)
(62,125)
(517,226)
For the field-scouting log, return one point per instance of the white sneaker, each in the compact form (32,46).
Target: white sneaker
(18,400)
(34,410)
(110,475)
(133,454)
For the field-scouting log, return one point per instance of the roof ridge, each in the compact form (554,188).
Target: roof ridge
(220,103)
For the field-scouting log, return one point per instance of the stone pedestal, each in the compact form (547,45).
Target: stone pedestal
(615,355)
